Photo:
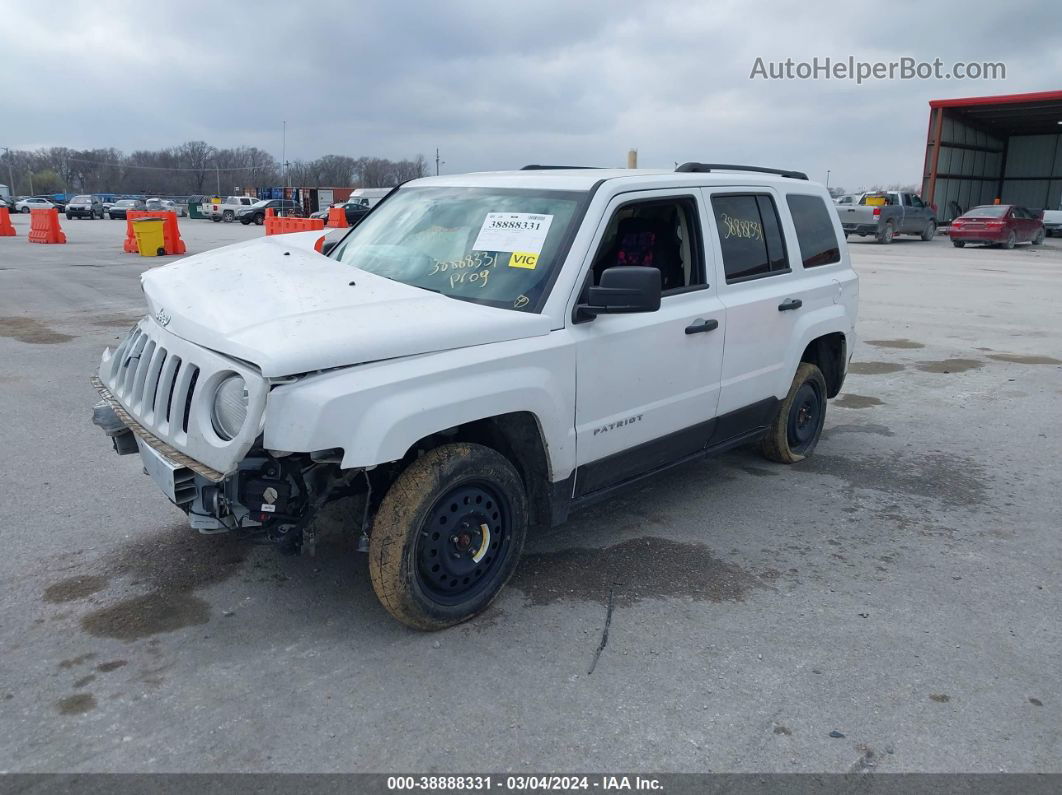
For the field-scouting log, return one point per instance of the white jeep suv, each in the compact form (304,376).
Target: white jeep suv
(483,354)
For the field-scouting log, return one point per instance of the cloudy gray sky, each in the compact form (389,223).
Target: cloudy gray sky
(495,85)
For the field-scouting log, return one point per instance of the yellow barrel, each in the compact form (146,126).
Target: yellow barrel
(150,236)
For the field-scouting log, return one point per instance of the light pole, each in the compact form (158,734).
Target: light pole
(438,162)
(827,179)
(284,152)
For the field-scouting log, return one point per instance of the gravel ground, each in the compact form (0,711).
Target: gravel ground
(890,604)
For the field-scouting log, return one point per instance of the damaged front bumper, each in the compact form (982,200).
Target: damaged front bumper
(206,495)
(270,498)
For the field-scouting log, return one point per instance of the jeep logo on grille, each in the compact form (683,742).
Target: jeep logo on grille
(161,317)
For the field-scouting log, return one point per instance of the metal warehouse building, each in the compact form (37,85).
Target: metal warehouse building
(980,149)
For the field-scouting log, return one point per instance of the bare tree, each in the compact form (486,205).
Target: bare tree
(197,156)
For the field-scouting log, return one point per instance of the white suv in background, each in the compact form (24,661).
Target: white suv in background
(483,354)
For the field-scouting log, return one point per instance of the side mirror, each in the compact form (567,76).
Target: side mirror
(327,246)
(623,289)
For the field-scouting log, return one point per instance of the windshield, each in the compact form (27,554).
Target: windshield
(491,246)
(992,211)
(126,203)
(261,203)
(81,199)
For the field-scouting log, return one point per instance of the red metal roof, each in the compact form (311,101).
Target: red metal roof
(1002,99)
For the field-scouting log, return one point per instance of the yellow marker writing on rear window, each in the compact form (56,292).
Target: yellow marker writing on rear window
(523,259)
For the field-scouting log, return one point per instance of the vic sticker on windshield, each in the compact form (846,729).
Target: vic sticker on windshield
(522,235)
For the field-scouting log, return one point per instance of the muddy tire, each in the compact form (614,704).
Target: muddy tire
(929,232)
(798,425)
(887,233)
(1038,238)
(447,536)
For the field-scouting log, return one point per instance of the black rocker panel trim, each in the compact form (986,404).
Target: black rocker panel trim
(702,439)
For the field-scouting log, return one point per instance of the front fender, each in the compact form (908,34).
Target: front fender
(376,412)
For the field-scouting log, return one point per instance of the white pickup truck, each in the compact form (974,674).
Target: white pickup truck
(482,355)
(227,210)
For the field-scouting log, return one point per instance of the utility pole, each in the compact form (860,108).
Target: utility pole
(827,179)
(436,161)
(284,151)
(217,173)
(632,158)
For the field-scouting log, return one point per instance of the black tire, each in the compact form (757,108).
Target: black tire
(886,235)
(958,243)
(1011,240)
(469,490)
(228,217)
(259,219)
(798,425)
(215,218)
(69,217)
(1038,238)
(25,210)
(929,232)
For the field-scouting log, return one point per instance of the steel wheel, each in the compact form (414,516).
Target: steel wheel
(805,417)
(447,535)
(797,426)
(462,542)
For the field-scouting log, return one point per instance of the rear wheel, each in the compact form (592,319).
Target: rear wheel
(798,425)
(958,243)
(447,536)
(1038,238)
(215,218)
(930,231)
(229,216)
(1011,240)
(886,235)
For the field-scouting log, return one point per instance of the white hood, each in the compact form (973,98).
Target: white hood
(290,310)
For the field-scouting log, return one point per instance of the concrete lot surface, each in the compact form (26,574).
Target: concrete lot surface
(900,589)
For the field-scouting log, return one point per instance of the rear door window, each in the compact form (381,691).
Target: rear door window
(750,236)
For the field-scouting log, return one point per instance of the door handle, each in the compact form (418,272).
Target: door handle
(704,325)
(790,303)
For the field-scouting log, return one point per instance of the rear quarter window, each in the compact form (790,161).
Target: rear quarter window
(814,228)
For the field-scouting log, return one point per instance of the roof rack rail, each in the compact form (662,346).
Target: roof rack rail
(536,167)
(704,168)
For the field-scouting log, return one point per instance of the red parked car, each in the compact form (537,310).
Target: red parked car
(997,225)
